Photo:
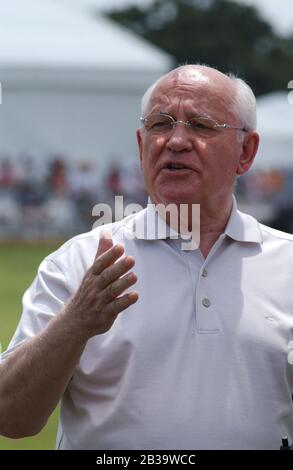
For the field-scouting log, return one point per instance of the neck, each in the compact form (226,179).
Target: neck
(213,221)
(214,215)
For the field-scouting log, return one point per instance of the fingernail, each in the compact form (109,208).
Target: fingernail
(119,249)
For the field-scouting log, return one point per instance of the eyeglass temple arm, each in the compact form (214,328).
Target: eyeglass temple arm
(228,126)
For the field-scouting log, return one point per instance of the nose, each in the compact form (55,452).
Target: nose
(180,138)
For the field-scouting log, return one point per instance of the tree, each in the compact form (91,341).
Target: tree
(222,33)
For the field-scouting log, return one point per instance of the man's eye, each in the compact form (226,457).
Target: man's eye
(160,124)
(198,125)
(202,125)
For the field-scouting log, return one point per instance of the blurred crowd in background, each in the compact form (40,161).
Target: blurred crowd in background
(40,201)
(268,195)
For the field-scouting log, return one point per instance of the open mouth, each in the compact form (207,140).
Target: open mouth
(176,167)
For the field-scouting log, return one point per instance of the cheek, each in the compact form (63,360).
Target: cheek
(155,145)
(228,156)
(152,149)
(220,164)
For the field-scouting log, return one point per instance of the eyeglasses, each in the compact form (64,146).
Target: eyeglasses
(161,123)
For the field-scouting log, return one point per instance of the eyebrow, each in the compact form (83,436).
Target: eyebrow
(194,115)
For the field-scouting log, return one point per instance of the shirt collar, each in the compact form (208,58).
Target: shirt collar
(242,227)
(148,225)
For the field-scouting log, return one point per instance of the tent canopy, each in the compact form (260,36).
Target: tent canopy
(49,33)
(275,114)
(66,76)
(49,43)
(275,126)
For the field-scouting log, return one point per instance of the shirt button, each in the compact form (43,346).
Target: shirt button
(206,302)
(204,273)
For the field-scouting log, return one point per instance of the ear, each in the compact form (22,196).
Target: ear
(139,141)
(249,148)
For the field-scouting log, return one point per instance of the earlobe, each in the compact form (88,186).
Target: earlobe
(139,142)
(138,136)
(249,150)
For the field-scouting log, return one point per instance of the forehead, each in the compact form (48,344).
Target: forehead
(195,90)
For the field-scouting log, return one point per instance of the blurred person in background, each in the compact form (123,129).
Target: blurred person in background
(197,356)
(58,178)
(8,177)
(83,189)
(133,186)
(113,183)
(31,195)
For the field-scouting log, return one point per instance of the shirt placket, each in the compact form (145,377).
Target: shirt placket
(206,305)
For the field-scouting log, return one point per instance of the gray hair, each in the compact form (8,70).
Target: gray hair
(244,105)
(244,102)
(147,96)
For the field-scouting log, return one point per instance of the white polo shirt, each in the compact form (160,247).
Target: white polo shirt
(199,362)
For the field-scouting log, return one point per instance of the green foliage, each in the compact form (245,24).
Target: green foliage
(227,35)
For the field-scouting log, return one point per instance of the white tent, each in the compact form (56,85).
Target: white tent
(275,126)
(71,83)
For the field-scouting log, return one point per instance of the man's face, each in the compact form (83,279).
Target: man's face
(211,163)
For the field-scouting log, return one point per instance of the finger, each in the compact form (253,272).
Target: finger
(107,258)
(105,243)
(121,303)
(118,287)
(115,271)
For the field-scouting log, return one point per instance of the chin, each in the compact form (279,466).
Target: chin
(177,198)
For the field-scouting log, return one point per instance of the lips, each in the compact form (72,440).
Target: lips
(176,166)
(172,166)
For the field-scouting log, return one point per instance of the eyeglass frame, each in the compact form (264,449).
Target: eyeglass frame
(187,123)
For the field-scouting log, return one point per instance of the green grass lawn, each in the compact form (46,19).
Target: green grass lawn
(18,266)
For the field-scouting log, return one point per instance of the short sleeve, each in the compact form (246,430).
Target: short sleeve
(43,300)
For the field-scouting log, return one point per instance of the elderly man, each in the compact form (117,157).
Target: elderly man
(197,356)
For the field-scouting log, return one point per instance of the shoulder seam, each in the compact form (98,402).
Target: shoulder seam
(277,236)
(58,266)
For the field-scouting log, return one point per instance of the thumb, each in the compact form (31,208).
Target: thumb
(105,243)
